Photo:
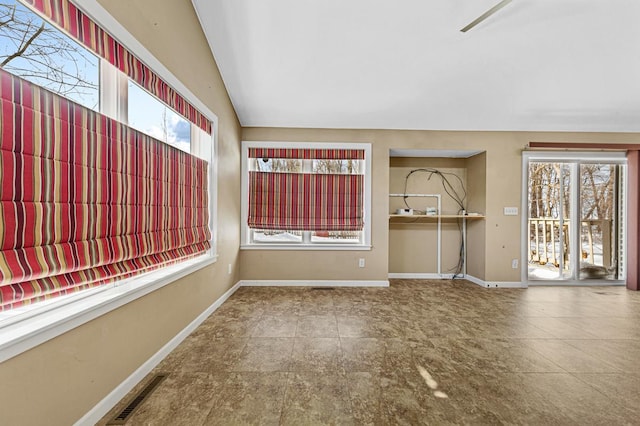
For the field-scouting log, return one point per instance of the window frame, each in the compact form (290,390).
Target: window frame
(246,234)
(572,157)
(28,326)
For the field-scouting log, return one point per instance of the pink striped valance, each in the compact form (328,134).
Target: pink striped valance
(307,154)
(86,200)
(305,202)
(68,17)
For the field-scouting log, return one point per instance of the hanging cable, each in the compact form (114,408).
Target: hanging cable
(460,200)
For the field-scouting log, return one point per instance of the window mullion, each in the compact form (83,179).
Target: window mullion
(307,167)
(113,92)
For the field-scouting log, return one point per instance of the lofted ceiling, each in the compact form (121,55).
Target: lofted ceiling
(556,65)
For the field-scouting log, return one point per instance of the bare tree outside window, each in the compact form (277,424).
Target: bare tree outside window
(281,165)
(596,183)
(552,233)
(36,51)
(349,167)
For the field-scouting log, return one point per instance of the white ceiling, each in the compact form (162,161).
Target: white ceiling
(565,65)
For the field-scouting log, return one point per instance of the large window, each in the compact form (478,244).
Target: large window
(35,50)
(153,117)
(306,195)
(93,201)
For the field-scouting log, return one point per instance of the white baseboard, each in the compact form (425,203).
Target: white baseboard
(494,284)
(313,283)
(116,395)
(420,276)
(505,284)
(478,281)
(508,284)
(471,278)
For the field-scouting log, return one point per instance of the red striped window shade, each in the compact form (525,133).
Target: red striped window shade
(306,201)
(86,200)
(78,25)
(307,154)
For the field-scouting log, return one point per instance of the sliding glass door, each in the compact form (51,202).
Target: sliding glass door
(574,218)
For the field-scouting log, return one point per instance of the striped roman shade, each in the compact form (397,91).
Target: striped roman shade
(86,200)
(79,26)
(307,154)
(306,201)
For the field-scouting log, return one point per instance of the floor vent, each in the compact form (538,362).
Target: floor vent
(135,402)
(322,288)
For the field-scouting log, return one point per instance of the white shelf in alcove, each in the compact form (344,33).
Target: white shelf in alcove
(436,216)
(415,195)
(400,219)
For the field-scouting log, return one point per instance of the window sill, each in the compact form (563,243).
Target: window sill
(24,328)
(316,247)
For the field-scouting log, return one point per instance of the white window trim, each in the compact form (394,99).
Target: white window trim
(32,325)
(245,233)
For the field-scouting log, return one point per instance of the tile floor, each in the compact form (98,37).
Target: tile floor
(418,352)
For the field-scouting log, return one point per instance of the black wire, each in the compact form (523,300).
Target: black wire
(448,187)
(460,200)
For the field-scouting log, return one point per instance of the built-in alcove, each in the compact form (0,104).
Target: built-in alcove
(427,242)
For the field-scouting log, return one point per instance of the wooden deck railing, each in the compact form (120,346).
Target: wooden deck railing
(545,232)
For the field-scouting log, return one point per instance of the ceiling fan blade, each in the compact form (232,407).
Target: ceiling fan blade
(485,15)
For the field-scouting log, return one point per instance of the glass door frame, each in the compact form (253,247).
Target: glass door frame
(574,159)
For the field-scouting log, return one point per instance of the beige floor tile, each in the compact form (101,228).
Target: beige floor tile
(276,326)
(621,354)
(321,355)
(363,354)
(287,355)
(181,399)
(560,328)
(570,358)
(621,388)
(580,401)
(211,355)
(265,354)
(609,327)
(249,399)
(364,393)
(314,399)
(317,326)
(220,326)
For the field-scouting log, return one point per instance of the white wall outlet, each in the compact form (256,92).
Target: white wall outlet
(361,262)
(230,269)
(514,263)
(511,211)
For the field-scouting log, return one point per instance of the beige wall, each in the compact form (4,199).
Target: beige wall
(323,265)
(503,188)
(413,245)
(67,376)
(477,202)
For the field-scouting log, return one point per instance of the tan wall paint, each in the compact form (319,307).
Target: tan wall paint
(413,247)
(59,381)
(503,187)
(323,265)
(477,202)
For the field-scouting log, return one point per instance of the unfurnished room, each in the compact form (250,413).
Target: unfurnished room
(298,212)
